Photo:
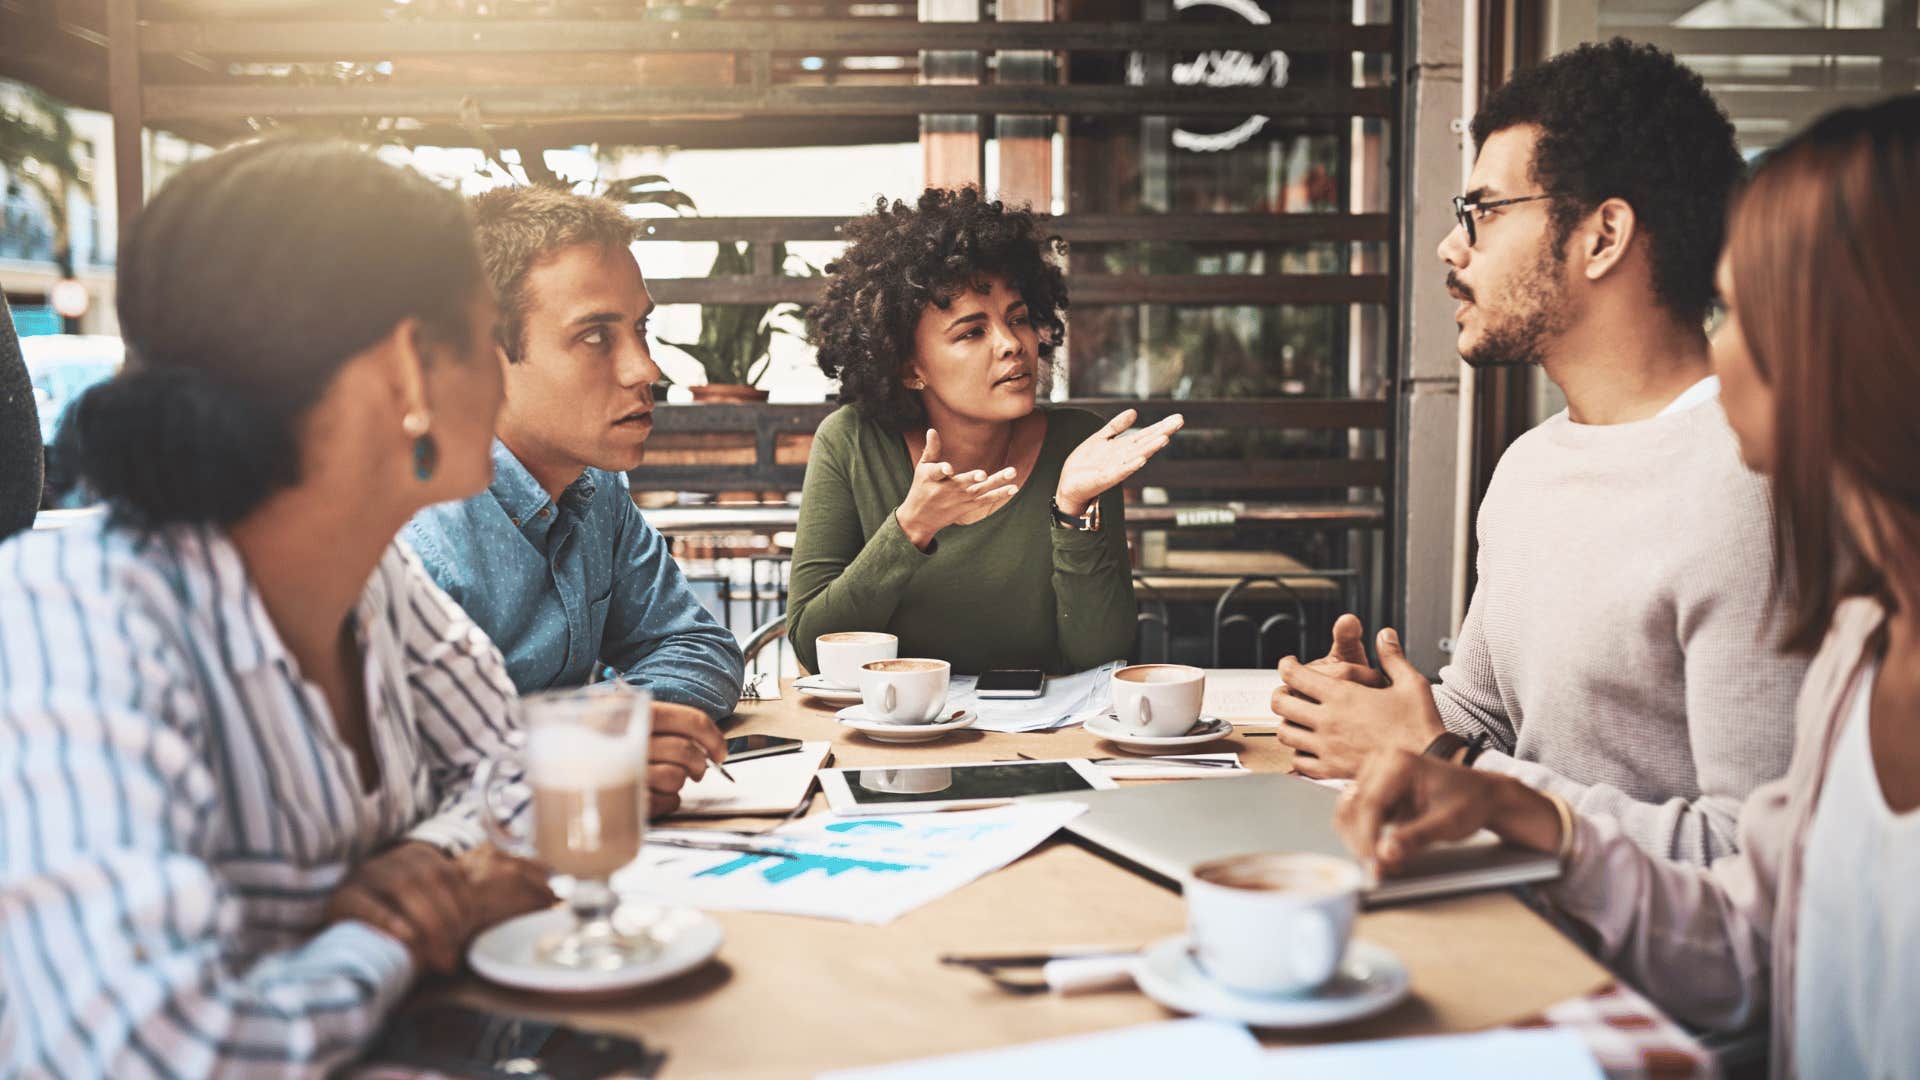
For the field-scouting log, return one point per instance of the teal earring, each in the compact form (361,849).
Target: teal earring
(426,452)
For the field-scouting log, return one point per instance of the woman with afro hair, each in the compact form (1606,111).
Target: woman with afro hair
(943,504)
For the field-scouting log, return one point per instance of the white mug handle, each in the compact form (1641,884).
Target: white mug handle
(1143,713)
(889,699)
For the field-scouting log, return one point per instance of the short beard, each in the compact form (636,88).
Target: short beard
(1539,310)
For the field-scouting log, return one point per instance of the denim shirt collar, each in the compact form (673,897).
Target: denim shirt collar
(527,503)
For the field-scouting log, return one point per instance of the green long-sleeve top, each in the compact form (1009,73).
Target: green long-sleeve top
(1009,591)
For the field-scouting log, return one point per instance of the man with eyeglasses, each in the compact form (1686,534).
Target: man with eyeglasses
(1618,651)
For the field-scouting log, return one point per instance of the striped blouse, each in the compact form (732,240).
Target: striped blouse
(176,808)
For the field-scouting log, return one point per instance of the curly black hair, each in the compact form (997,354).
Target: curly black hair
(1629,121)
(899,259)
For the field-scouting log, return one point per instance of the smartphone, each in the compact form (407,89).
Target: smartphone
(454,1040)
(1011,683)
(748,747)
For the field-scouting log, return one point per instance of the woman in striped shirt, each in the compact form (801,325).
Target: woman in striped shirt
(237,719)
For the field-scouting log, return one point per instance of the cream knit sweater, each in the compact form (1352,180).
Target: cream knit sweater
(1618,650)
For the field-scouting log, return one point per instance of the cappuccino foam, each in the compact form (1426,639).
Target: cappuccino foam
(575,757)
(1157,674)
(896,666)
(1288,874)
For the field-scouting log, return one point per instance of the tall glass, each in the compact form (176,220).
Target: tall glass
(584,766)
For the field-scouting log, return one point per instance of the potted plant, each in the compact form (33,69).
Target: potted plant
(735,339)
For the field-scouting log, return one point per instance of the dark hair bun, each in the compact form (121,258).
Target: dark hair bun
(170,445)
(245,286)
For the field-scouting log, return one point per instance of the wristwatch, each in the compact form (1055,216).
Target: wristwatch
(1087,521)
(1446,744)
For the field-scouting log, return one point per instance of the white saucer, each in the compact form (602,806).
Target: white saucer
(1206,730)
(855,717)
(825,689)
(505,953)
(1371,980)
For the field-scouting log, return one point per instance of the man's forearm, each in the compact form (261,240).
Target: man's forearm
(701,668)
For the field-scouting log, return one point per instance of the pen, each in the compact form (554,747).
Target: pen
(720,845)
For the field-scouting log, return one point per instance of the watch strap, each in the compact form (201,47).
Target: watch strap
(1475,747)
(1446,744)
(1087,521)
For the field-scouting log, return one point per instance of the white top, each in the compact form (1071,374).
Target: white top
(1857,982)
(1698,394)
(176,806)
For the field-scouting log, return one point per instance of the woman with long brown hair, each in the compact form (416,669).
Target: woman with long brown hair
(1813,922)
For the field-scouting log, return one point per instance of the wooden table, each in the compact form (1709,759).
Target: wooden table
(792,996)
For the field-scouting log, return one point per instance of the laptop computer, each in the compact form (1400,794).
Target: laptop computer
(1166,829)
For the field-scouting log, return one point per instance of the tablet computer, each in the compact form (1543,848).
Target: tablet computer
(906,789)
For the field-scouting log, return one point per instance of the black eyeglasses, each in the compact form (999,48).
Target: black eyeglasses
(1464,211)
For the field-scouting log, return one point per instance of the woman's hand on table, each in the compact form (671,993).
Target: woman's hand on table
(1109,456)
(1403,803)
(503,886)
(939,497)
(414,893)
(683,739)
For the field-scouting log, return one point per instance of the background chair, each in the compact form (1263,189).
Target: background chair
(22,461)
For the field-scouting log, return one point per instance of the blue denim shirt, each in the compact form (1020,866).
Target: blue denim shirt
(565,588)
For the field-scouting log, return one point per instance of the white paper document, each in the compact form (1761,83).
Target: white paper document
(865,870)
(767,785)
(1242,695)
(1211,1048)
(1491,1055)
(1068,700)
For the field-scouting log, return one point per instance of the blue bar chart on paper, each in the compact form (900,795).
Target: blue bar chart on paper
(869,870)
(791,864)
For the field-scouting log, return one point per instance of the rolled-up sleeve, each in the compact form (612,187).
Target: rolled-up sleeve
(1696,940)
(658,634)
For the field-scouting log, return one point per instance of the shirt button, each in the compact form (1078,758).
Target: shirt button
(542,514)
(516,522)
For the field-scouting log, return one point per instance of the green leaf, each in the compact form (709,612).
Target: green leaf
(631,183)
(673,199)
(732,260)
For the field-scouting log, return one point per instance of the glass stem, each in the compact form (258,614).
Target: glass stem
(593,903)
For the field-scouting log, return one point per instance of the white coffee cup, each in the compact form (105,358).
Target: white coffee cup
(914,781)
(1272,923)
(841,654)
(905,691)
(1158,700)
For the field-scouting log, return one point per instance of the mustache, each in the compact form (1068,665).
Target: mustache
(1458,290)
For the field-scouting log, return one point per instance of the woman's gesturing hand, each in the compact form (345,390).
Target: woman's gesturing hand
(939,497)
(1109,456)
